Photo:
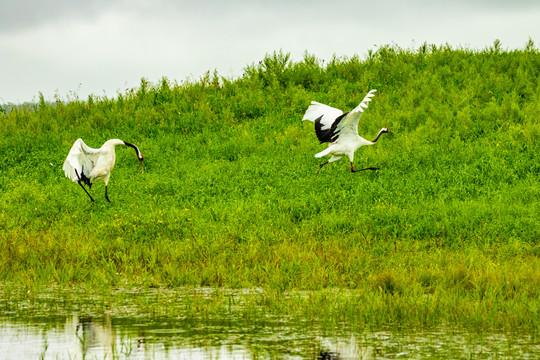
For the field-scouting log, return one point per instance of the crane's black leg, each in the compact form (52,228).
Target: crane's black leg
(320,166)
(79,182)
(369,168)
(106,196)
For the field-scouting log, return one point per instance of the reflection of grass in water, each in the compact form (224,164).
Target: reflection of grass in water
(149,322)
(45,347)
(446,230)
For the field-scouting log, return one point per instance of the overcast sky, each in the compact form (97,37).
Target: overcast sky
(101,47)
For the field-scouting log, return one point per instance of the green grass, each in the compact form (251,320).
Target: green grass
(447,229)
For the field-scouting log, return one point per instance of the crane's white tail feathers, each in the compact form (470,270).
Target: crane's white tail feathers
(323,153)
(364,103)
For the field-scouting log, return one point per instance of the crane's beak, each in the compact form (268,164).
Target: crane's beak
(142,166)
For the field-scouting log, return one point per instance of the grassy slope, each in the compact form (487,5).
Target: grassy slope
(229,196)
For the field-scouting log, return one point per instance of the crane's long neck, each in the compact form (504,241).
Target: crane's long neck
(382,131)
(135,147)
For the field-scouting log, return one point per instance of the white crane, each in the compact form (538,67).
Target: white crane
(86,165)
(340,130)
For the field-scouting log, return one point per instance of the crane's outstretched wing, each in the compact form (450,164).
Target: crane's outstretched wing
(327,113)
(349,124)
(326,119)
(80,161)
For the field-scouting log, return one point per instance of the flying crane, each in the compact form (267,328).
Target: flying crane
(340,130)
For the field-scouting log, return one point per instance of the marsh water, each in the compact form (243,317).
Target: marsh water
(201,324)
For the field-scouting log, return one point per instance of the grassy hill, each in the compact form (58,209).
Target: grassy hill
(229,196)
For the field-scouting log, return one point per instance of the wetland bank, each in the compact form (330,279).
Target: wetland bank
(445,234)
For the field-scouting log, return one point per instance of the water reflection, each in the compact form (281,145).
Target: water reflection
(53,329)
